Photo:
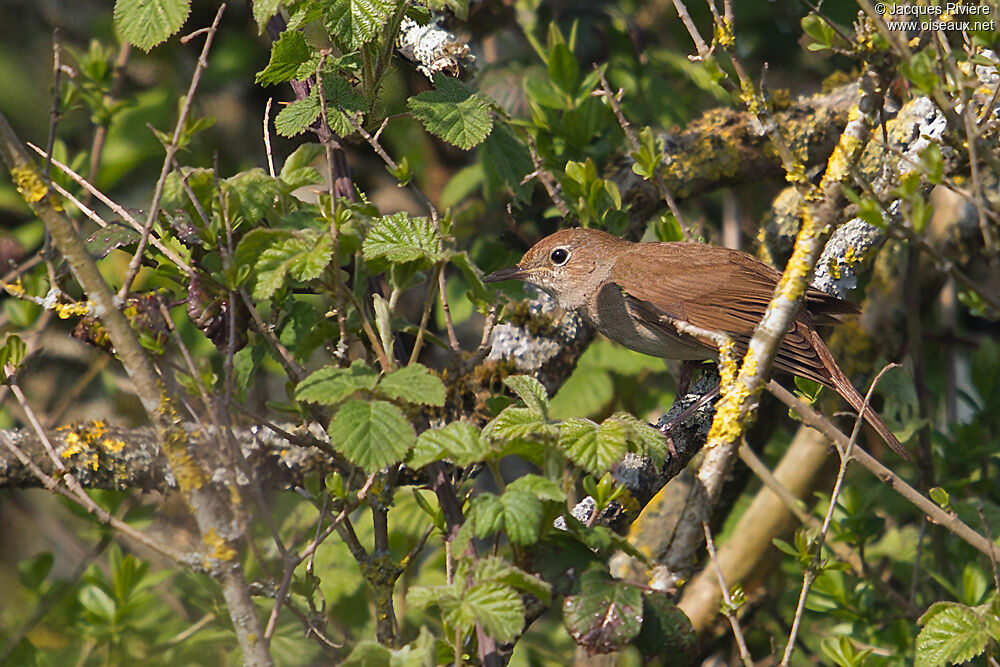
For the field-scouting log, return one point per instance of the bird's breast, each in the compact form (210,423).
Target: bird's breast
(607,312)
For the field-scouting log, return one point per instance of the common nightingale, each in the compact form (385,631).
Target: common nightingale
(660,298)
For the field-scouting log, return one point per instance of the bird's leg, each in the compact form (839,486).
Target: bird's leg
(688,368)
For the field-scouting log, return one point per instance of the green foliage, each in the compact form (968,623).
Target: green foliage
(319,286)
(371,434)
(146,23)
(453,111)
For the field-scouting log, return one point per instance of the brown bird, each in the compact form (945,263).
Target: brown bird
(639,293)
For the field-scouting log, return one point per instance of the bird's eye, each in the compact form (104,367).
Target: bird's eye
(559,256)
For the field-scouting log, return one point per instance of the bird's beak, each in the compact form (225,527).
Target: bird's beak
(512,273)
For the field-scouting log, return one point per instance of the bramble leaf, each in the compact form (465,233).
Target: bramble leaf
(371,434)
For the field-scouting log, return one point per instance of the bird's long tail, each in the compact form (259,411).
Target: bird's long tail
(843,386)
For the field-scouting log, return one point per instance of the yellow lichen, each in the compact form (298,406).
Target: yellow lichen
(218,549)
(68,310)
(29,183)
(74,445)
(113,444)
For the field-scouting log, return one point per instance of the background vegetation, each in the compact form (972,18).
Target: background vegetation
(360,453)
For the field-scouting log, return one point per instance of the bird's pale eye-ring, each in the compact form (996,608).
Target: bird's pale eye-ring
(559,256)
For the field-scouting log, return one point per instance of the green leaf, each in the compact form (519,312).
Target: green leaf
(605,615)
(492,568)
(522,516)
(539,487)
(458,441)
(371,434)
(331,385)
(495,606)
(564,70)
(300,160)
(952,633)
(513,423)
(594,448)
(531,391)
(505,162)
(453,111)
(341,99)
(146,23)
(256,191)
(263,10)
(413,384)
(666,631)
(352,23)
(287,54)
(302,255)
(401,238)
(297,117)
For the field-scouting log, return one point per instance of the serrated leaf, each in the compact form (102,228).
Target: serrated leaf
(496,569)
(413,384)
(460,442)
(605,615)
(371,434)
(453,111)
(287,54)
(531,391)
(352,23)
(146,23)
(522,516)
(539,487)
(402,238)
(341,99)
(256,190)
(495,606)
(297,117)
(263,10)
(303,255)
(513,423)
(330,385)
(584,443)
(952,633)
(106,239)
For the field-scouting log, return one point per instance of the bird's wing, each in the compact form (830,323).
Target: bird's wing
(719,290)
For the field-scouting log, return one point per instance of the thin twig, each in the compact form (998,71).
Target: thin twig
(727,602)
(954,524)
(154,207)
(267,136)
(814,568)
(658,181)
(424,317)
(104,199)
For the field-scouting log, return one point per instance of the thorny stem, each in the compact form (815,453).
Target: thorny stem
(154,207)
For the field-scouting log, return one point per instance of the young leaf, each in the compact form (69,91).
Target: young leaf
(513,423)
(498,608)
(413,384)
(263,10)
(951,634)
(297,117)
(531,391)
(352,23)
(453,111)
(371,434)
(302,255)
(401,238)
(146,23)
(330,385)
(287,54)
(457,441)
